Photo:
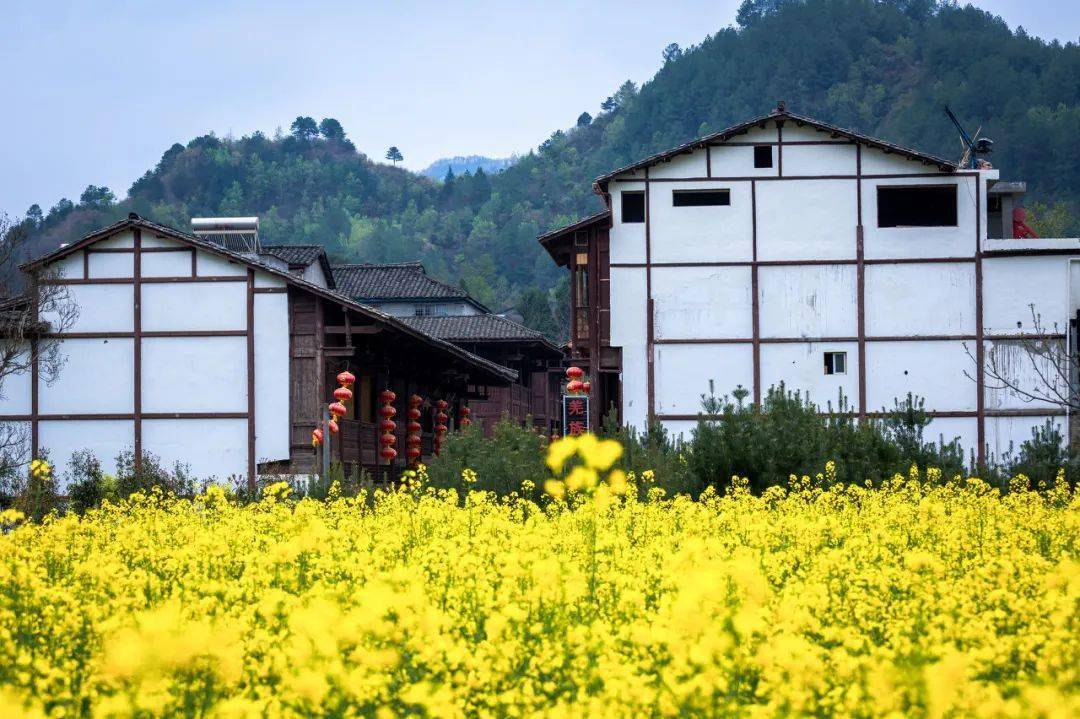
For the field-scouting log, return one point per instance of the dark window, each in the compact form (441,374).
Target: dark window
(762,155)
(633,207)
(930,206)
(836,363)
(700,198)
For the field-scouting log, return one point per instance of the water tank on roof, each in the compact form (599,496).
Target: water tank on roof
(239,234)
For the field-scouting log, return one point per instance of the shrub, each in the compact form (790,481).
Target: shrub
(152,474)
(511,455)
(86,484)
(655,458)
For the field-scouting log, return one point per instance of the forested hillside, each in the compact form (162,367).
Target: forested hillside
(885,68)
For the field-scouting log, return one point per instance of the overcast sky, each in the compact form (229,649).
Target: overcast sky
(95,92)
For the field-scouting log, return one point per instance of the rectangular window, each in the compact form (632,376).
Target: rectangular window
(633,206)
(836,363)
(700,198)
(425,310)
(927,206)
(762,155)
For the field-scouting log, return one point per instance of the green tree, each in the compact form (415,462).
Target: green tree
(94,196)
(331,129)
(584,119)
(304,128)
(394,155)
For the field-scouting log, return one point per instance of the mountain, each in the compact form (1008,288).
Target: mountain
(885,68)
(471,163)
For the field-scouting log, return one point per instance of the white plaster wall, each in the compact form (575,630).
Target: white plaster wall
(803,160)
(97,376)
(194,374)
(211,265)
(932,370)
(70,267)
(946,429)
(1012,284)
(15,389)
(314,274)
(120,239)
(905,242)
(101,308)
(738,161)
(686,372)
(760,134)
(1024,367)
(151,240)
(212,448)
(923,299)
(806,219)
(1006,434)
(689,165)
(801,366)
(627,239)
(697,234)
(111,264)
(194,306)
(808,301)
(877,162)
(264,279)
(165,264)
(271,377)
(628,330)
(681,430)
(703,302)
(105,438)
(795,133)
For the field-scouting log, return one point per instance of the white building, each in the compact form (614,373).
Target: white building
(219,359)
(785,249)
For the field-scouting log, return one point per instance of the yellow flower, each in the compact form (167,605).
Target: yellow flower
(559,451)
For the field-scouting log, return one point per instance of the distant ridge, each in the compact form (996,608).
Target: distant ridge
(470,163)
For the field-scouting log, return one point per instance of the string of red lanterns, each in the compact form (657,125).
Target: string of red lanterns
(412,439)
(575,385)
(336,408)
(441,419)
(465,412)
(387,440)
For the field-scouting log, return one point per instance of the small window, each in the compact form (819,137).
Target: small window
(927,206)
(762,155)
(425,310)
(700,198)
(633,207)
(836,363)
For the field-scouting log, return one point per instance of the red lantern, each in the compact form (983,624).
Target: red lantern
(413,453)
(343,394)
(317,437)
(413,427)
(388,440)
(337,409)
(465,421)
(387,425)
(413,413)
(333,426)
(387,396)
(388,453)
(441,418)
(387,410)
(574,373)
(441,405)
(413,440)
(416,400)
(573,386)
(586,387)
(346,378)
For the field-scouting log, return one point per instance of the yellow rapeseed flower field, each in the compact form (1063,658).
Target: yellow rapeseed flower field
(922,598)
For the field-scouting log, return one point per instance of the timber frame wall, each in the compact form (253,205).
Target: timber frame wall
(755,340)
(137,335)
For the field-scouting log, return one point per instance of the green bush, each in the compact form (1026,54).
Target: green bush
(501,463)
(86,484)
(1041,457)
(152,474)
(655,458)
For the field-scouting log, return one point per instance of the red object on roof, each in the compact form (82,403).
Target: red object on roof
(1021,231)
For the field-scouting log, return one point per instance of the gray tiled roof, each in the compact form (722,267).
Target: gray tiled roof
(296,254)
(402,280)
(465,328)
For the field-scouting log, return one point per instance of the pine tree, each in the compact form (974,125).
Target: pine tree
(394,155)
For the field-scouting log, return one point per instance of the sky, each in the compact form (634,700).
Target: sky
(96,92)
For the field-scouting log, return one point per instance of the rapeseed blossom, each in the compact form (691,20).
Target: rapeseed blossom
(921,598)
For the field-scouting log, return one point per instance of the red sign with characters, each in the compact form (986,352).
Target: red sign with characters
(575,414)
